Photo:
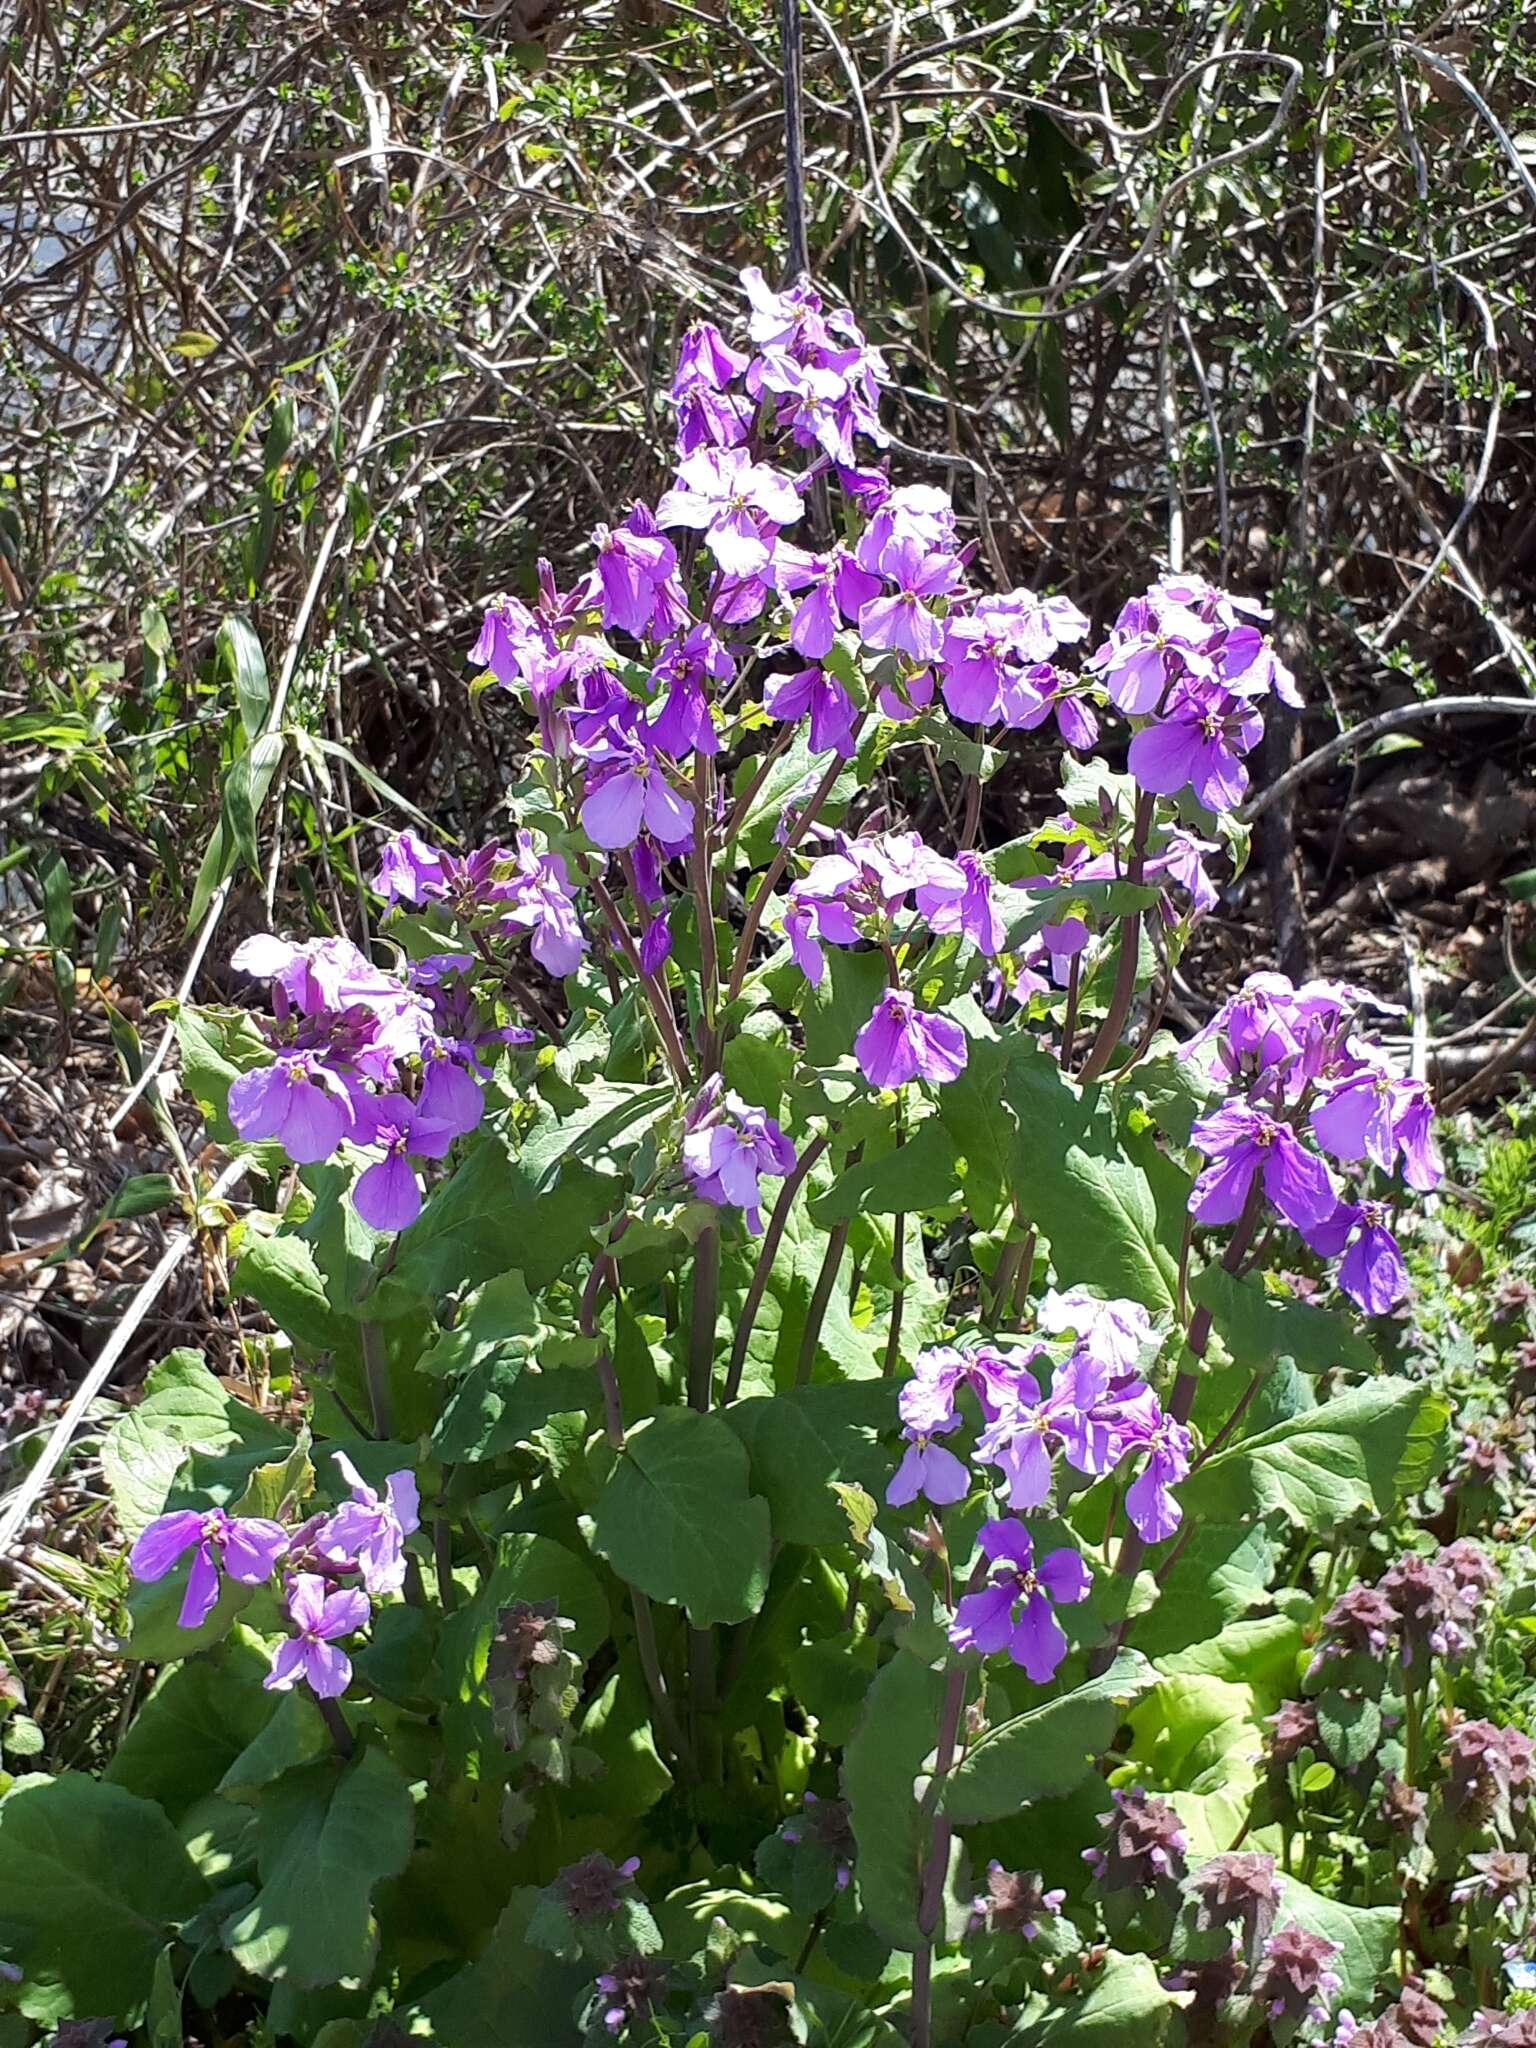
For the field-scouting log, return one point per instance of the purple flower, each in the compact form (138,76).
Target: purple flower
(1241,1141)
(1155,641)
(1015,1609)
(319,1620)
(409,870)
(1372,1115)
(736,503)
(831,708)
(834,589)
(633,794)
(1371,1272)
(1149,1502)
(999,1379)
(387,1195)
(655,946)
(1197,744)
(1294,1981)
(973,913)
(727,1147)
(539,899)
(1115,1333)
(450,1093)
(706,357)
(903,1043)
(246,1547)
(369,1530)
(637,575)
(298,1101)
(928,1469)
(902,622)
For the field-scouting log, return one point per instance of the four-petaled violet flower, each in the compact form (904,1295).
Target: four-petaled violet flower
(387,1194)
(736,503)
(369,1530)
(1015,1610)
(244,1547)
(1371,1271)
(728,1147)
(903,1043)
(1197,744)
(929,1469)
(1241,1142)
(903,622)
(298,1101)
(319,1620)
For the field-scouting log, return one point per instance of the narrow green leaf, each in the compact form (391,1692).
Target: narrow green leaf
(240,652)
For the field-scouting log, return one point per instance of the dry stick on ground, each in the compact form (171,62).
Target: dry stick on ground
(1372,729)
(24,1499)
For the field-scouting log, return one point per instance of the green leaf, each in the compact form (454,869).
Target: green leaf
(1220,1570)
(515,1996)
(92,1883)
(200,1717)
(1350,1726)
(678,1519)
(58,903)
(281,1273)
(1260,1330)
(491,1217)
(893,1741)
(216,1047)
(1197,1739)
(794,775)
(184,1409)
(275,1490)
(501,1403)
(326,1836)
(1121,2003)
(918,1176)
(295,1734)
(1366,1937)
(802,1442)
(245,791)
(613,1118)
(1361,1452)
(499,1319)
(240,652)
(1046,1751)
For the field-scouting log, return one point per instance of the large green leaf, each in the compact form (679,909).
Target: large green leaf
(895,1736)
(491,1216)
(200,1717)
(601,1132)
(1259,1329)
(1363,1451)
(281,1273)
(678,1518)
(500,1404)
(1110,1205)
(1047,1750)
(514,1996)
(801,1442)
(1220,1570)
(499,1320)
(1366,1938)
(1198,1738)
(1121,2003)
(184,1409)
(920,1175)
(92,1882)
(326,1835)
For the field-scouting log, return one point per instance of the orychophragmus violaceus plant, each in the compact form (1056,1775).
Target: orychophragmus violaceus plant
(786,1327)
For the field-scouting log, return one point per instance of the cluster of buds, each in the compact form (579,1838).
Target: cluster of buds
(532,1677)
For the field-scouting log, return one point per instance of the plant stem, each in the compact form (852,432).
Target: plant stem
(661,1008)
(931,1898)
(650,1663)
(1102,1051)
(703,1319)
(767,1253)
(341,1734)
(898,1296)
(826,1280)
(376,1375)
(757,908)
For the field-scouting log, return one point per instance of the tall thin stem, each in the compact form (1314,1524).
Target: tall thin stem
(1102,1051)
(931,1898)
(762,895)
(376,1378)
(768,1251)
(703,1319)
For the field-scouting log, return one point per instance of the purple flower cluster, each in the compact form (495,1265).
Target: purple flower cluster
(1097,1414)
(1190,660)
(727,1147)
(1305,1088)
(364,1537)
(389,1063)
